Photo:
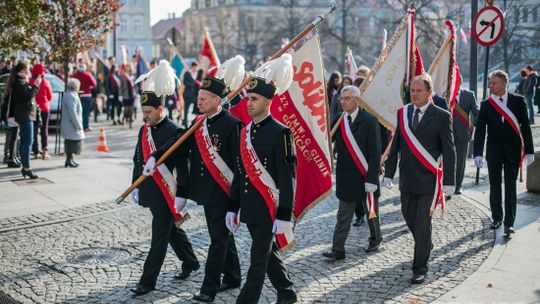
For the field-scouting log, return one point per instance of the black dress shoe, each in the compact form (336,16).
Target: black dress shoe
(495,224)
(287,301)
(373,247)
(334,255)
(358,222)
(201,297)
(28,172)
(458,191)
(184,274)
(508,230)
(227,286)
(141,289)
(418,279)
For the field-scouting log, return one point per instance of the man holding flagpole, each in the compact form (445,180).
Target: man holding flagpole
(163,194)
(263,187)
(423,136)
(358,148)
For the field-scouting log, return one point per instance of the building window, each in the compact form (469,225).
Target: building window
(136,2)
(534,14)
(137,25)
(525,15)
(123,25)
(207,3)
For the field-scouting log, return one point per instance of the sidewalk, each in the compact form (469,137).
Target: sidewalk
(511,273)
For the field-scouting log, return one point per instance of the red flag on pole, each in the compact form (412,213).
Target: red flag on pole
(208,60)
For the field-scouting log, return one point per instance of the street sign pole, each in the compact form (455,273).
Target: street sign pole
(484,94)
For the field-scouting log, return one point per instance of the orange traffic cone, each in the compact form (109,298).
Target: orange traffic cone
(102,141)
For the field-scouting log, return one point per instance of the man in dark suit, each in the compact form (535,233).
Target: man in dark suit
(208,187)
(464,119)
(150,194)
(273,145)
(504,146)
(432,128)
(352,183)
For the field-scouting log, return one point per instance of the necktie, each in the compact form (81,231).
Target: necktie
(502,101)
(415,119)
(349,119)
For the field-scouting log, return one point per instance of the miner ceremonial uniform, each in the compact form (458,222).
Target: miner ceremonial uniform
(151,194)
(272,144)
(208,187)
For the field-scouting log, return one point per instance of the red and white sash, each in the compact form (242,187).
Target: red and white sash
(511,119)
(359,160)
(163,177)
(263,182)
(434,166)
(219,170)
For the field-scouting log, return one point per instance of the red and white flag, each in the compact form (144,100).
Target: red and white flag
(444,70)
(302,108)
(208,59)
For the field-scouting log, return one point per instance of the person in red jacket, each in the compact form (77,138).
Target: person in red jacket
(43,98)
(87,84)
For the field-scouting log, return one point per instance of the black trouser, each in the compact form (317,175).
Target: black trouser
(265,259)
(222,255)
(10,145)
(164,232)
(375,235)
(461,158)
(359,211)
(415,209)
(511,171)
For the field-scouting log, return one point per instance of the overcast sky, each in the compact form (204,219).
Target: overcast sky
(160,9)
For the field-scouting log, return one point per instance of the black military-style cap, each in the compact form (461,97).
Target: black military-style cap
(150,99)
(259,86)
(214,85)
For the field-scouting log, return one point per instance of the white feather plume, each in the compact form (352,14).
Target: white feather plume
(161,80)
(232,72)
(279,71)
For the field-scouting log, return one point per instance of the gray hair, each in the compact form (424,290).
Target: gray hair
(425,78)
(73,84)
(501,74)
(353,89)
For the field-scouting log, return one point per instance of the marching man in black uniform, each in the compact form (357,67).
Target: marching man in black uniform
(263,187)
(509,140)
(422,137)
(358,148)
(161,193)
(213,154)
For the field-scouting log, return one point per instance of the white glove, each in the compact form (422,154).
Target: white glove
(149,166)
(111,96)
(387,182)
(135,196)
(281,226)
(230,219)
(371,188)
(179,204)
(120,98)
(529,159)
(479,161)
(449,190)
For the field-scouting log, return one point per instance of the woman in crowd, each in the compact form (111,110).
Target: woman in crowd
(24,110)
(128,93)
(71,125)
(43,98)
(333,85)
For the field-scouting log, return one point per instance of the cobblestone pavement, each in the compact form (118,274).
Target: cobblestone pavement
(93,254)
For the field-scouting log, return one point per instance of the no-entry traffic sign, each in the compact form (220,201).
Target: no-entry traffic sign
(488,25)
